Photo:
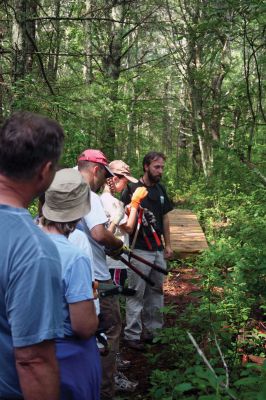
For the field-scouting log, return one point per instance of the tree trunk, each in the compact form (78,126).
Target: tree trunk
(167,140)
(2,82)
(19,40)
(55,40)
(31,11)
(112,69)
(87,71)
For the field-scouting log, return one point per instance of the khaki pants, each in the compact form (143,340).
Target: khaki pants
(144,306)
(110,310)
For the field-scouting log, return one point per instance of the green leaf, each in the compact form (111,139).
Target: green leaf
(183,387)
(250,380)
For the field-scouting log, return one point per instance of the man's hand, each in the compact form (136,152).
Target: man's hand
(104,237)
(150,217)
(168,253)
(115,253)
(137,197)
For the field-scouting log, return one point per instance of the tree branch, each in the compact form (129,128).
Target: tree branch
(202,355)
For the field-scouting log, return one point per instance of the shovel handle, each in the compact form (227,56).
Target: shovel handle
(137,228)
(154,266)
(156,237)
(148,243)
(137,271)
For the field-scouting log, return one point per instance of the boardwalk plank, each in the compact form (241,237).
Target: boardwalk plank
(187,236)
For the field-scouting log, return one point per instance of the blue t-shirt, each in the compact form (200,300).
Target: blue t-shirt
(30,291)
(76,276)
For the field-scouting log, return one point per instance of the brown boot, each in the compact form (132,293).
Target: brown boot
(135,344)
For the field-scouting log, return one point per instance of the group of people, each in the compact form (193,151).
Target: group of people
(54,319)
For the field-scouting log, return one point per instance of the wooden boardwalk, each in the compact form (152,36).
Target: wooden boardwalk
(187,237)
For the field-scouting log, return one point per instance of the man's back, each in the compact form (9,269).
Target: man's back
(29,270)
(96,217)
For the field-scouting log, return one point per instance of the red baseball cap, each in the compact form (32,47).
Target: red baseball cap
(98,157)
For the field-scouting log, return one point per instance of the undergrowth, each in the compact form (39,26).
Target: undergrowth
(226,324)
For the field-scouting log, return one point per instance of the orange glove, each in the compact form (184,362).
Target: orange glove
(139,194)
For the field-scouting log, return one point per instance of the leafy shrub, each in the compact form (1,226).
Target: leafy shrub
(230,206)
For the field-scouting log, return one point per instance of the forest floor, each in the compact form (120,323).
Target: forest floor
(178,286)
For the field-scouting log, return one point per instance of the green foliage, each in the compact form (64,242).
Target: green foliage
(231,208)
(166,96)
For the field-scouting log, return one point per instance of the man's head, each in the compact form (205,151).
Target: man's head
(93,166)
(153,166)
(30,146)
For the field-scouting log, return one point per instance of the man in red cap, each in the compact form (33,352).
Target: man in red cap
(95,158)
(93,166)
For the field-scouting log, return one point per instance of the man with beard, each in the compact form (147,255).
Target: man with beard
(143,315)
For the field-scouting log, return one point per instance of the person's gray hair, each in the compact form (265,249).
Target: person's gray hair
(27,141)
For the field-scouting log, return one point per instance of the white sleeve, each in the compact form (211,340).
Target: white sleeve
(111,207)
(96,216)
(79,239)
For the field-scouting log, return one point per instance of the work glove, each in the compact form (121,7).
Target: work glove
(149,218)
(137,197)
(115,253)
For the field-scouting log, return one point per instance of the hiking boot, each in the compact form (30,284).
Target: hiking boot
(135,344)
(121,364)
(123,384)
(148,338)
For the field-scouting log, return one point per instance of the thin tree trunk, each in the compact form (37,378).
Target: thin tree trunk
(88,71)
(167,141)
(31,11)
(112,69)
(53,60)
(1,81)
(19,40)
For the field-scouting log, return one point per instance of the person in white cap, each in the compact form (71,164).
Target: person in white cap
(120,222)
(66,202)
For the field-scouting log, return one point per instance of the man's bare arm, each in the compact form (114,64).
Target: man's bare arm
(84,320)
(38,371)
(106,238)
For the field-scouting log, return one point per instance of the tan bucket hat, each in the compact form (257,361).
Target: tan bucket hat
(120,168)
(68,197)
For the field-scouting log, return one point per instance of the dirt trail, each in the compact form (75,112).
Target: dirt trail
(177,289)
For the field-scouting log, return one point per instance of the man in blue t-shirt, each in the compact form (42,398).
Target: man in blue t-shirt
(30,270)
